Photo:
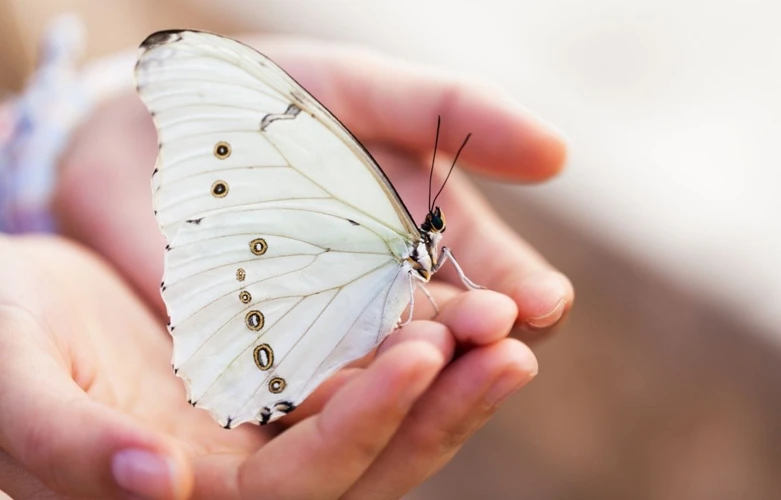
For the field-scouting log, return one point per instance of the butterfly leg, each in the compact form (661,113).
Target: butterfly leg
(399,324)
(419,284)
(447,254)
(428,296)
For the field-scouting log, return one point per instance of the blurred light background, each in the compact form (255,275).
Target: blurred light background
(665,382)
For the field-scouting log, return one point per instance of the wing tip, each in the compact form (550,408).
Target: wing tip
(161,37)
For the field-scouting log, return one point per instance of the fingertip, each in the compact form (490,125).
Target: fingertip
(431,332)
(515,144)
(519,359)
(416,356)
(480,316)
(516,366)
(148,464)
(541,147)
(152,474)
(411,367)
(543,297)
(547,159)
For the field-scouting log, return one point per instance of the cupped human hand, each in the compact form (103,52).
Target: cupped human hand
(104,200)
(91,407)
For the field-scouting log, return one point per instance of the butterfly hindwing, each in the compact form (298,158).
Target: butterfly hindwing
(293,314)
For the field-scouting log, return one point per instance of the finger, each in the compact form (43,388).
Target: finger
(497,258)
(475,318)
(457,404)
(489,252)
(432,333)
(317,400)
(72,444)
(479,317)
(392,101)
(123,180)
(322,456)
(441,292)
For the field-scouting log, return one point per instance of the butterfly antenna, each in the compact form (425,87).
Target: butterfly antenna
(431,174)
(451,168)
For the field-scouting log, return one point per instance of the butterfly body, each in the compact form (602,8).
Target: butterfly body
(289,251)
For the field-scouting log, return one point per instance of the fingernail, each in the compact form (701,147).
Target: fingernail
(550,318)
(506,386)
(143,474)
(542,297)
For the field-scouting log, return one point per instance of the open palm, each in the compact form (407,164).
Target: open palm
(91,405)
(96,409)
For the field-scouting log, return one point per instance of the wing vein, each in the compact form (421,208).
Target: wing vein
(181,323)
(347,331)
(303,335)
(332,195)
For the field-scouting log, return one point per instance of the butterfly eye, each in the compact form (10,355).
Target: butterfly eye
(437,220)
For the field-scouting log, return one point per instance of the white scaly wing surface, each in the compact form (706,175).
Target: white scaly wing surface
(286,242)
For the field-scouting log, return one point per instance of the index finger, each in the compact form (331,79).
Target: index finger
(397,102)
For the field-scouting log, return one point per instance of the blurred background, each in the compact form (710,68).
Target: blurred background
(665,381)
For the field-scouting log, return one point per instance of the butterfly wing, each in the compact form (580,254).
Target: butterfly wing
(201,86)
(286,242)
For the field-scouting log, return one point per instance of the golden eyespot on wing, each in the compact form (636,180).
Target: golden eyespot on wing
(264,357)
(277,385)
(222,150)
(220,189)
(258,246)
(254,320)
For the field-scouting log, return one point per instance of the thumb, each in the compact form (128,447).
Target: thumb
(73,444)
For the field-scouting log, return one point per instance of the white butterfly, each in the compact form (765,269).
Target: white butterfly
(289,252)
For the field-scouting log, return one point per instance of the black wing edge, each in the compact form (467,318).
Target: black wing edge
(328,112)
(161,37)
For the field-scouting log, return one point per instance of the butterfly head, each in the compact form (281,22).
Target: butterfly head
(435,222)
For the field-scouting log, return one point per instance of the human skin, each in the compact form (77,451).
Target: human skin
(94,409)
